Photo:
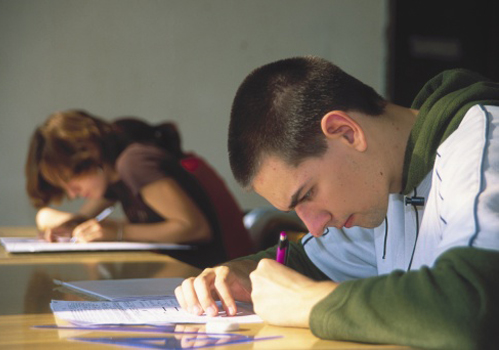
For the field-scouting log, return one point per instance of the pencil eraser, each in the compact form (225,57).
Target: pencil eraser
(221,327)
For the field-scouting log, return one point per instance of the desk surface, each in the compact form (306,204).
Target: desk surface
(27,288)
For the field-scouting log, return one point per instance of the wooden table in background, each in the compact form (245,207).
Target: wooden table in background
(26,289)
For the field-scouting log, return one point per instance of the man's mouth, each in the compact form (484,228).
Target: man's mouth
(349,222)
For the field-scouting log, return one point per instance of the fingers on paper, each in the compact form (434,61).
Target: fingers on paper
(56,234)
(179,294)
(203,285)
(187,297)
(48,235)
(197,295)
(223,290)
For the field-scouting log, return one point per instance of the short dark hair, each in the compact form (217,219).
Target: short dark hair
(278,109)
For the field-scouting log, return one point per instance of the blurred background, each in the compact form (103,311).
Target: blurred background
(182,60)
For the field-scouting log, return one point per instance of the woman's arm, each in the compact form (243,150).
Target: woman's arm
(47,218)
(184,221)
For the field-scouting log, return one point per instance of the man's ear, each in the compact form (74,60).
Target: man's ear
(338,124)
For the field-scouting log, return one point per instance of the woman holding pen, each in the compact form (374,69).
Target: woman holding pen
(75,154)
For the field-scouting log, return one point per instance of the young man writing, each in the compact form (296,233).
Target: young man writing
(402,207)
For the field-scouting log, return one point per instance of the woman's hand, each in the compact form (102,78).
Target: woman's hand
(284,297)
(92,230)
(57,226)
(62,232)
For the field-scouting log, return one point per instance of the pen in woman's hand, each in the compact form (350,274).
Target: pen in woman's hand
(104,214)
(101,216)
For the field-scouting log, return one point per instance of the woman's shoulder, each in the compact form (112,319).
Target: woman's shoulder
(140,164)
(138,155)
(137,152)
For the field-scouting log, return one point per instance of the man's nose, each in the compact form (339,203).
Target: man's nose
(316,221)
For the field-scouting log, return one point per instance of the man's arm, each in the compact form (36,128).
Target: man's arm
(454,305)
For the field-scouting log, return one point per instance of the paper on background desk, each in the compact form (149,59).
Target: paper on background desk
(136,312)
(35,245)
(125,289)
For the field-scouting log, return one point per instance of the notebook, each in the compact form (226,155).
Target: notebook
(125,289)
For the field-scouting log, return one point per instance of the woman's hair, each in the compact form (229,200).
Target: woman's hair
(74,142)
(164,135)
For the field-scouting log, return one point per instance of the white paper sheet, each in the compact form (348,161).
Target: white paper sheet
(34,245)
(157,311)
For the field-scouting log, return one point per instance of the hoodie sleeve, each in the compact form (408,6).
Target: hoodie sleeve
(454,305)
(297,260)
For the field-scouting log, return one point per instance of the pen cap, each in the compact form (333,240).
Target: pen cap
(283,240)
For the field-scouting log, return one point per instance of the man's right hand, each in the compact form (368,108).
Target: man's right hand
(228,282)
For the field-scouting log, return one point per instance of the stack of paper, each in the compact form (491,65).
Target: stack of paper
(136,301)
(140,312)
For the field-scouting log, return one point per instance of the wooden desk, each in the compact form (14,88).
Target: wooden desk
(27,288)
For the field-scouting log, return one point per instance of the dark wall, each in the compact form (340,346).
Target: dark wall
(427,37)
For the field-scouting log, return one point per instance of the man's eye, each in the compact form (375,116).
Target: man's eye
(307,196)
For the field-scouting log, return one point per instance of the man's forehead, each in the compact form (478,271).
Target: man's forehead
(276,181)
(270,166)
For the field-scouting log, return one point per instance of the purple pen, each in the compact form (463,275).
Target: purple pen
(282,249)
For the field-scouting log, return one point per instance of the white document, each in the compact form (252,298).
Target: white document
(139,312)
(125,289)
(35,245)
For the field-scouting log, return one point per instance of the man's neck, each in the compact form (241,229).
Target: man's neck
(397,125)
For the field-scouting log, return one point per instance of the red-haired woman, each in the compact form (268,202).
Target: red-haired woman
(75,154)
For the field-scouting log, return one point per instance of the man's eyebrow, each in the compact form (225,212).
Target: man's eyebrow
(295,198)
